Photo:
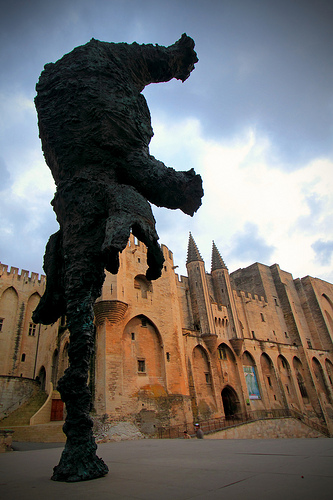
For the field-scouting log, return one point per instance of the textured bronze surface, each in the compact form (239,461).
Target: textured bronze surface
(95,128)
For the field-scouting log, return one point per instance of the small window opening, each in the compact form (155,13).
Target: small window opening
(286,335)
(207,377)
(143,322)
(141,366)
(309,343)
(269,381)
(262,317)
(23,357)
(1,324)
(168,356)
(133,335)
(302,389)
(284,365)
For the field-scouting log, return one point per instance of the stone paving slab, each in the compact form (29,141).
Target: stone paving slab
(287,469)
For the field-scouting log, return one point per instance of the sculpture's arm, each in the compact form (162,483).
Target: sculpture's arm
(161,185)
(155,63)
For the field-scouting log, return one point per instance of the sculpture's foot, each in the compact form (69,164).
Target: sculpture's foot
(79,463)
(111,259)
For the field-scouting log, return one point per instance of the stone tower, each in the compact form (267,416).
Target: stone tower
(200,299)
(225,296)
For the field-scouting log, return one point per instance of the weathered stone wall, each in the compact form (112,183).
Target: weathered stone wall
(152,364)
(140,358)
(268,429)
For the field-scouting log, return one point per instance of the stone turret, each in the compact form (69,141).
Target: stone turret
(224,295)
(217,261)
(200,299)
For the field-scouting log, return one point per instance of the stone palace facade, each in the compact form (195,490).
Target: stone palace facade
(189,348)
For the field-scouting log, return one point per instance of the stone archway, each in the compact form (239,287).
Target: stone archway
(230,402)
(203,383)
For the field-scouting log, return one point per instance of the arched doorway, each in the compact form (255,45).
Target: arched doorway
(230,402)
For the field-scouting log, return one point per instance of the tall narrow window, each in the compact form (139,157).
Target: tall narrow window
(23,357)
(222,353)
(1,324)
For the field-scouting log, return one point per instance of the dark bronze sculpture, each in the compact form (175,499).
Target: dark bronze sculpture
(95,130)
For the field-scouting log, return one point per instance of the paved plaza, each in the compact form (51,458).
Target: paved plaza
(208,469)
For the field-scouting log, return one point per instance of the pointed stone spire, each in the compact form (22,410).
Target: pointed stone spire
(217,261)
(193,253)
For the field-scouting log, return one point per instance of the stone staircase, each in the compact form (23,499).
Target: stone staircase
(21,416)
(42,433)
(19,422)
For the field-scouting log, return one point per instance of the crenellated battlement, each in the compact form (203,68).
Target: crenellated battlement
(248,297)
(24,276)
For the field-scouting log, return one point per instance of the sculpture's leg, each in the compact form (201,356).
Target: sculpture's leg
(129,210)
(79,461)
(83,280)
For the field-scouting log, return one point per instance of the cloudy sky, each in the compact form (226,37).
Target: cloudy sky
(255,119)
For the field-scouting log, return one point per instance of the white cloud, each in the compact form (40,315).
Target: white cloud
(14,108)
(243,184)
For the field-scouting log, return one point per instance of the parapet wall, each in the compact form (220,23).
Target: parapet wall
(249,297)
(24,276)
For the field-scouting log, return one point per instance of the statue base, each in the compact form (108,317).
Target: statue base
(79,463)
